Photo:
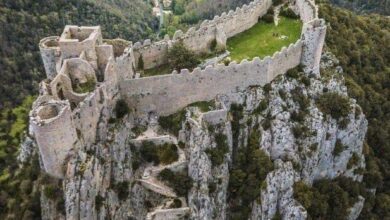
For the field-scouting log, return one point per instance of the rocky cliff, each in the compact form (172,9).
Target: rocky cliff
(239,155)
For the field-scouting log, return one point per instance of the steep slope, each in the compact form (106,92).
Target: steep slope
(246,156)
(23,24)
(365,6)
(362,44)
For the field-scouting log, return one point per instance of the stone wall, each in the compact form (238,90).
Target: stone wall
(53,128)
(199,40)
(166,94)
(307,10)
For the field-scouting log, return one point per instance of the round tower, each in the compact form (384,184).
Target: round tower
(50,53)
(55,133)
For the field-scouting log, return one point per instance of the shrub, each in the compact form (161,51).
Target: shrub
(268,18)
(217,154)
(338,148)
(182,58)
(303,194)
(51,191)
(138,130)
(121,189)
(298,116)
(165,154)
(249,170)
(267,88)
(98,201)
(353,161)
(306,81)
(172,123)
(333,104)
(168,153)
(180,182)
(292,73)
(121,108)
(204,106)
(300,98)
(262,106)
(212,187)
(300,131)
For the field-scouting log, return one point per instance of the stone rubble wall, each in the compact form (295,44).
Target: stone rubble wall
(166,94)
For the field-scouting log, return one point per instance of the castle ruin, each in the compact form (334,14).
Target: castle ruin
(86,76)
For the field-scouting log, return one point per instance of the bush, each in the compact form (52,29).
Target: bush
(172,123)
(268,18)
(338,148)
(217,154)
(353,161)
(249,170)
(182,58)
(333,104)
(300,98)
(121,108)
(121,189)
(300,131)
(303,194)
(298,116)
(165,154)
(99,200)
(180,182)
(262,106)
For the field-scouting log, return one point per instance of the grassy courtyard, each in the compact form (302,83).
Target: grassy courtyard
(264,39)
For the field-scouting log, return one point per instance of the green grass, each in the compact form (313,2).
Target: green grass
(260,41)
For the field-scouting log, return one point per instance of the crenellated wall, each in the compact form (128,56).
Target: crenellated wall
(199,40)
(166,94)
(62,119)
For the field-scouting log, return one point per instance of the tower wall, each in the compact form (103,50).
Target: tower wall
(54,131)
(313,37)
(50,54)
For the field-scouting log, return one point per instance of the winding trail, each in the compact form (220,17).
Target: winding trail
(150,180)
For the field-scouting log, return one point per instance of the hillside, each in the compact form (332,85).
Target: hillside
(362,44)
(365,6)
(24,23)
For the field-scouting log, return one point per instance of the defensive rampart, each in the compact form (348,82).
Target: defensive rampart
(166,94)
(86,76)
(200,40)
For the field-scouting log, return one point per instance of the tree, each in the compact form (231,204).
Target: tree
(182,58)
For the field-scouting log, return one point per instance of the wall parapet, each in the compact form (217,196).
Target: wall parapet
(165,94)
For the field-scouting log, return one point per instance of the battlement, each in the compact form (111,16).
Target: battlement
(86,76)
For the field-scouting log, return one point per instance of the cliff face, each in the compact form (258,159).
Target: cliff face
(302,140)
